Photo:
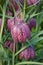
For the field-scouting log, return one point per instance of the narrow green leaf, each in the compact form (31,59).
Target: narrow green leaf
(27,62)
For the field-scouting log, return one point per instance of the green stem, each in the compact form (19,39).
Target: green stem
(0,62)
(16,51)
(13,58)
(6,16)
(13,54)
(3,20)
(24,9)
(8,62)
(1,8)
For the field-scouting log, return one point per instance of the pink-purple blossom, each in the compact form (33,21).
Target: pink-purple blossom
(10,23)
(20,31)
(30,2)
(31,23)
(10,45)
(28,53)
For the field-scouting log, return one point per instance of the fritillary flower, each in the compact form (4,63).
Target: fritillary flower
(30,2)
(20,31)
(10,45)
(32,23)
(27,53)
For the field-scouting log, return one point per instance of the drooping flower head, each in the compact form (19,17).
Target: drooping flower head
(27,53)
(32,52)
(32,23)
(30,2)
(20,31)
(10,45)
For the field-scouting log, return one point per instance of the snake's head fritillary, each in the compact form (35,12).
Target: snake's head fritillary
(10,45)
(27,54)
(32,23)
(20,32)
(30,2)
